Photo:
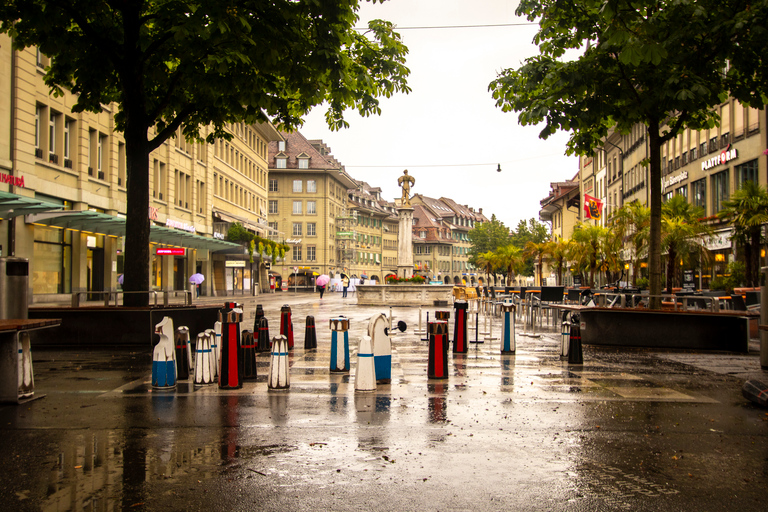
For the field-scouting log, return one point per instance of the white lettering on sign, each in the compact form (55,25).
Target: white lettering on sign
(218,236)
(674,180)
(725,156)
(293,241)
(180,225)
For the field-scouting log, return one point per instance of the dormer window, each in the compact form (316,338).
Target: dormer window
(423,234)
(281,161)
(303,160)
(281,145)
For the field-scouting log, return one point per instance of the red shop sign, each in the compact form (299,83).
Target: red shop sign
(170,252)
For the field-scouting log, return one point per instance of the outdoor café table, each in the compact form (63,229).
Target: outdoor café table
(10,347)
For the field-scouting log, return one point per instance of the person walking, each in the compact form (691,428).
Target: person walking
(322,290)
(344,284)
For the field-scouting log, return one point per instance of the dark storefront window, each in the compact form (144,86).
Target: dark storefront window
(52,261)
(719,190)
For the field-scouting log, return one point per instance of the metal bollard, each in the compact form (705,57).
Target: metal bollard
(575,355)
(460,327)
(508,327)
(249,355)
(310,336)
(565,336)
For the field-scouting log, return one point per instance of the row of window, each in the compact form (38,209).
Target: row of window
(298,229)
(57,139)
(240,161)
(298,207)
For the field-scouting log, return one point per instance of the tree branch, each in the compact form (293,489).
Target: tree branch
(171,128)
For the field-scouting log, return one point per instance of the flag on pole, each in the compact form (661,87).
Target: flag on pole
(593,206)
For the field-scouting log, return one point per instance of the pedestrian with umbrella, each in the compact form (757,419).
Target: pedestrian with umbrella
(321,282)
(197,279)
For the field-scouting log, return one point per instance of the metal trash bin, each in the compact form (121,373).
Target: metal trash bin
(14,281)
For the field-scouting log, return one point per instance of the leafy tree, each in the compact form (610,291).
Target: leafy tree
(681,234)
(613,64)
(196,66)
(747,208)
(487,237)
(529,231)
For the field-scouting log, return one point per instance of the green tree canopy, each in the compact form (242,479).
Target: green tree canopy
(681,234)
(612,64)
(487,237)
(205,63)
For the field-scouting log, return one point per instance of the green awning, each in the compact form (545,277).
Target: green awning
(13,205)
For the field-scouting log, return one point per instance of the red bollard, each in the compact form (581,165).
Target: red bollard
(437,368)
(286,325)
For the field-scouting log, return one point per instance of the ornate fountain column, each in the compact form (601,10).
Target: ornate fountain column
(405,231)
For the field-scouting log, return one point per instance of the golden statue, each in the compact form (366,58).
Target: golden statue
(406,182)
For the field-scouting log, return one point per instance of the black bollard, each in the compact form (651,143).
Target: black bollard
(310,336)
(249,355)
(756,391)
(286,325)
(575,355)
(257,318)
(263,335)
(181,341)
(232,359)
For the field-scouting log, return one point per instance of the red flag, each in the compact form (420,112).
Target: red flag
(593,206)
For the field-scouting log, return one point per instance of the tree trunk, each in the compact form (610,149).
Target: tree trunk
(654,243)
(671,257)
(137,163)
(137,220)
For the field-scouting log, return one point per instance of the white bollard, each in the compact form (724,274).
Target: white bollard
(25,374)
(216,348)
(279,375)
(365,375)
(203,356)
(382,348)
(164,357)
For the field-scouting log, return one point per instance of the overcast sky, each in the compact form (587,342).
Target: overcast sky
(448,132)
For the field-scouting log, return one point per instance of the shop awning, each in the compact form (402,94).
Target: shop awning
(13,205)
(103,224)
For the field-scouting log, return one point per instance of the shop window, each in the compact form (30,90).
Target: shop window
(699,193)
(719,190)
(746,172)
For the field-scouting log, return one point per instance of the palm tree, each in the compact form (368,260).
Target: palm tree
(587,249)
(537,251)
(488,261)
(558,252)
(632,223)
(680,233)
(510,258)
(748,210)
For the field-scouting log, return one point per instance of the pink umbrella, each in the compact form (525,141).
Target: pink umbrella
(322,280)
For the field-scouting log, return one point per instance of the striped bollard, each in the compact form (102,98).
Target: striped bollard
(339,348)
(310,336)
(257,316)
(382,348)
(286,325)
(203,360)
(249,355)
(365,373)
(279,375)
(437,367)
(232,357)
(508,327)
(460,345)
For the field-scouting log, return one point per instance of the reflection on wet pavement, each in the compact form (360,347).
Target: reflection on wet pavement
(519,432)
